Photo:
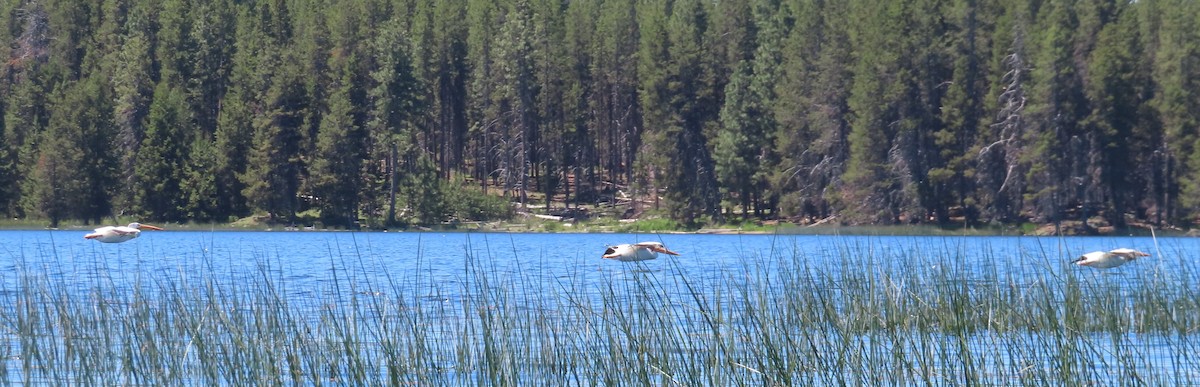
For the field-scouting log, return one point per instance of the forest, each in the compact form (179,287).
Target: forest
(419,112)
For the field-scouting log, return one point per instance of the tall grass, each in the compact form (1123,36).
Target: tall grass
(870,315)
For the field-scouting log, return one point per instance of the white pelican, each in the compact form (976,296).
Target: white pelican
(640,251)
(1109,259)
(118,234)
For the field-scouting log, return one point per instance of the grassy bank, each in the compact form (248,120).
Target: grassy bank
(868,316)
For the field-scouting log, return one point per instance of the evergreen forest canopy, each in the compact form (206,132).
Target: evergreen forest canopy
(410,111)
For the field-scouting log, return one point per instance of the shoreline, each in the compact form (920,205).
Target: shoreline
(605,228)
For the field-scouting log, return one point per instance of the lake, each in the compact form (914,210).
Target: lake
(460,308)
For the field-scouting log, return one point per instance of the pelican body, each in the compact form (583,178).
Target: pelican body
(1109,259)
(118,234)
(640,251)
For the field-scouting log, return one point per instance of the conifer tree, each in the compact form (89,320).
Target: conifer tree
(551,68)
(274,164)
(812,109)
(1114,89)
(871,188)
(25,117)
(49,190)
(396,106)
(424,192)
(199,183)
(133,83)
(961,114)
(614,116)
(578,150)
(1056,109)
(8,169)
(212,37)
(75,170)
(739,143)
(440,55)
(159,165)
(1176,75)
(744,147)
(232,142)
(174,46)
(482,113)
(335,178)
(235,120)
(69,33)
(678,102)
(1000,174)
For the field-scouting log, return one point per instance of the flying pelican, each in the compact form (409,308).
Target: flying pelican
(118,234)
(640,251)
(1109,259)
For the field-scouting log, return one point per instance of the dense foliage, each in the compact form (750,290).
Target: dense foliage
(387,110)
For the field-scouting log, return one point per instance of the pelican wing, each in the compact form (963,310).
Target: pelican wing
(1129,253)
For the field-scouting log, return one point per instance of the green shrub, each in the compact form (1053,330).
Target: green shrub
(469,203)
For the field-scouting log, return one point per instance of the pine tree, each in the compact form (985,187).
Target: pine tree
(334,179)
(174,46)
(871,188)
(951,181)
(551,68)
(1176,75)
(1114,90)
(314,50)
(75,171)
(232,141)
(578,150)
(25,116)
(739,141)
(159,167)
(69,33)
(812,109)
(744,147)
(441,65)
(1056,109)
(396,107)
(733,38)
(212,36)
(274,165)
(49,190)
(423,190)
(1000,174)
(133,83)
(8,169)
(235,120)
(507,126)
(199,183)
(614,116)
(678,102)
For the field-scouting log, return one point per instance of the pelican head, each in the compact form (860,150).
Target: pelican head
(139,226)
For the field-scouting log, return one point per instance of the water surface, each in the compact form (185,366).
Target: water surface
(554,276)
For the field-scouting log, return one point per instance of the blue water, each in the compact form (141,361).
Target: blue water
(435,268)
(309,261)
(442,256)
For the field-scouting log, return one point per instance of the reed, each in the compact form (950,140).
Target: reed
(867,314)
